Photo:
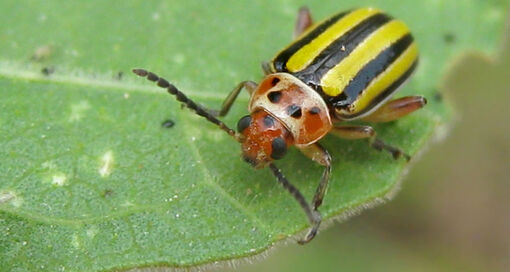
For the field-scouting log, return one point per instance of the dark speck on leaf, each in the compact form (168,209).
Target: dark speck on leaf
(107,193)
(438,97)
(449,37)
(168,123)
(47,71)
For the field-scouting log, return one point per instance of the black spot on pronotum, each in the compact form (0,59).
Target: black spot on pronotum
(314,110)
(275,81)
(274,97)
(243,123)
(168,123)
(268,121)
(279,148)
(294,111)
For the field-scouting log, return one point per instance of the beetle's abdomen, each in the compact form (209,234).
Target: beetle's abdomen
(355,60)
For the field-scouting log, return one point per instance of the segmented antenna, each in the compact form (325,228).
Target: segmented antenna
(163,83)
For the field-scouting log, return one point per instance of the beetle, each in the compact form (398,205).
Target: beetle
(345,68)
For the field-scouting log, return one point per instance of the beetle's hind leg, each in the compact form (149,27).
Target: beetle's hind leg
(396,109)
(303,22)
(367,132)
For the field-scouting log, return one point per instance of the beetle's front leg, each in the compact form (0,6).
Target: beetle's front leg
(313,216)
(320,155)
(250,86)
(367,132)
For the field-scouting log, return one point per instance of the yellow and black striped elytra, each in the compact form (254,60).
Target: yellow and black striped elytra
(343,68)
(355,60)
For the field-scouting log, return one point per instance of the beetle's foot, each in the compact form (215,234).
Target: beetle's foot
(313,231)
(395,152)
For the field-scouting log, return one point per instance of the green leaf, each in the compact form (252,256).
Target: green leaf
(89,180)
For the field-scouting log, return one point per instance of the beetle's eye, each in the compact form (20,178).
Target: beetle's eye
(243,123)
(279,148)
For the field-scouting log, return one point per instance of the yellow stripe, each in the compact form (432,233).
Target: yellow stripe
(383,81)
(306,54)
(336,79)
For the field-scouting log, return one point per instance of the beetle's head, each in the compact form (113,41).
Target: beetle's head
(263,138)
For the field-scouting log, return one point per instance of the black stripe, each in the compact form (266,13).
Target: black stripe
(340,49)
(371,70)
(388,91)
(280,61)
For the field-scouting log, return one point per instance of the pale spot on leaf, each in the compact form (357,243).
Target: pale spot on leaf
(216,135)
(127,204)
(106,164)
(179,58)
(78,111)
(494,14)
(6,197)
(59,179)
(42,53)
(42,18)
(91,232)
(11,198)
(75,241)
(49,165)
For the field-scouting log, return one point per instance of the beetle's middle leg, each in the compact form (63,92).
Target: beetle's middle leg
(367,132)
(320,155)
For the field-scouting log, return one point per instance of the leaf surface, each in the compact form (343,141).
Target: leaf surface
(89,180)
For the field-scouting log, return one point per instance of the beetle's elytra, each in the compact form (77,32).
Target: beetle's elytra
(344,68)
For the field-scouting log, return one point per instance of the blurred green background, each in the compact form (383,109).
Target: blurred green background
(452,213)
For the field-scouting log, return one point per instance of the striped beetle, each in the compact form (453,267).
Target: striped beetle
(344,68)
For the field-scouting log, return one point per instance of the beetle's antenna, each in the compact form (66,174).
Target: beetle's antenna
(163,83)
(313,216)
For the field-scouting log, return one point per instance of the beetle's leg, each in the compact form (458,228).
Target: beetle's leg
(171,89)
(320,155)
(250,86)
(303,22)
(367,132)
(313,216)
(396,109)
(266,67)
